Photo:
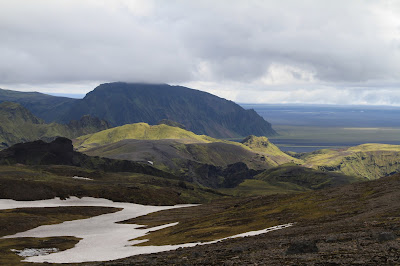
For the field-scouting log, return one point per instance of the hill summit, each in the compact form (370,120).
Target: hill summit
(200,112)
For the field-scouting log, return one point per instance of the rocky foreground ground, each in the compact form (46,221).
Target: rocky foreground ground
(364,229)
(337,243)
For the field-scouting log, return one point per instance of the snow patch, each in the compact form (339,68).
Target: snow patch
(30,252)
(102,238)
(81,178)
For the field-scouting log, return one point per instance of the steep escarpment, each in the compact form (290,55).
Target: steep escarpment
(203,113)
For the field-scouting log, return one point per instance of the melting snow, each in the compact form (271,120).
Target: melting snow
(102,238)
(30,252)
(81,178)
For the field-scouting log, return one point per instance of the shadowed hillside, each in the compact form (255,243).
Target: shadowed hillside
(200,112)
(47,107)
(17,124)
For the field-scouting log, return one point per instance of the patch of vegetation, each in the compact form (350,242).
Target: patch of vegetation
(254,187)
(8,257)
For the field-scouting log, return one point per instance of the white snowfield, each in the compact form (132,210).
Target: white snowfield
(102,238)
(82,178)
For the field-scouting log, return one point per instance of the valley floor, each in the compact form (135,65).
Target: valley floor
(311,138)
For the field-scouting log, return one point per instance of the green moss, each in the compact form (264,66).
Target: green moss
(139,131)
(370,161)
(8,257)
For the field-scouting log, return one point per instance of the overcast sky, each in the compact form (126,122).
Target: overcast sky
(300,51)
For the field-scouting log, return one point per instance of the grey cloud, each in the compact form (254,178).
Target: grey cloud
(348,44)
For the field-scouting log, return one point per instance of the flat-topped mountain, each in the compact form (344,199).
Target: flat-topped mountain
(200,112)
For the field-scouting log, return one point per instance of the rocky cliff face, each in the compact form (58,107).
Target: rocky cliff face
(200,112)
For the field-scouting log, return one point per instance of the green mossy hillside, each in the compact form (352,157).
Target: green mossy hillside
(370,160)
(18,124)
(142,131)
(305,178)
(264,146)
(165,145)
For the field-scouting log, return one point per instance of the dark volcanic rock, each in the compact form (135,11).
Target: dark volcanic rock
(61,152)
(300,247)
(218,177)
(386,236)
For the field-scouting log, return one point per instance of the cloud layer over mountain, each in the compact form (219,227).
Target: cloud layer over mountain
(248,51)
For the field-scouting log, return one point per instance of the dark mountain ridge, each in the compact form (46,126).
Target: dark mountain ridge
(203,113)
(122,103)
(47,107)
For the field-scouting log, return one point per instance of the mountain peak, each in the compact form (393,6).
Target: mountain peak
(200,112)
(256,142)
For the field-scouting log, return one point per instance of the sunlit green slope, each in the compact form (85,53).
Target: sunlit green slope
(370,160)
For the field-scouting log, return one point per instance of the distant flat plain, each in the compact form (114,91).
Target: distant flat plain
(305,128)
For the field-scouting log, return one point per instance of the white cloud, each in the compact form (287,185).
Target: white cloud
(309,50)
(279,74)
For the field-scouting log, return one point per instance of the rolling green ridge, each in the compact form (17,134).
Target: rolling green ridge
(289,178)
(170,148)
(370,161)
(142,131)
(17,124)
(305,178)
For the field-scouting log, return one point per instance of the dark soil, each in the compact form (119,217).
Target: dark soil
(360,226)
(338,243)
